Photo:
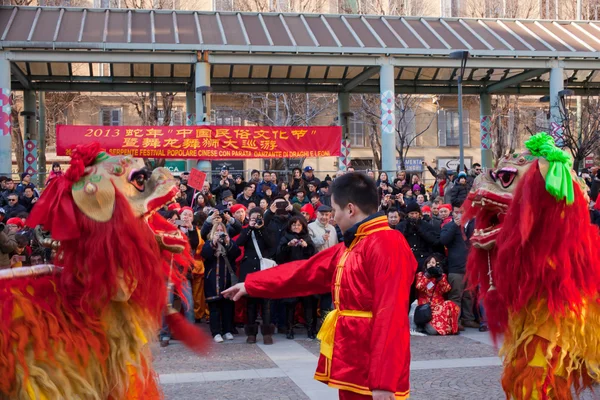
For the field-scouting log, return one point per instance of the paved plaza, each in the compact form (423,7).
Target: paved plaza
(451,367)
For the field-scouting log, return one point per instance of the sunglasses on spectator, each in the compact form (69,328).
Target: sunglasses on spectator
(12,199)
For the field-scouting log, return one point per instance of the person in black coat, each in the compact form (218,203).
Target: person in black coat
(421,237)
(276,220)
(459,192)
(219,254)
(455,239)
(255,234)
(295,245)
(223,184)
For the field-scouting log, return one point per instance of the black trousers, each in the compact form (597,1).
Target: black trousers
(221,316)
(252,306)
(309,304)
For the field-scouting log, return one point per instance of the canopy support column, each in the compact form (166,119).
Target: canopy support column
(203,89)
(42,138)
(344,115)
(388,119)
(5,118)
(485,115)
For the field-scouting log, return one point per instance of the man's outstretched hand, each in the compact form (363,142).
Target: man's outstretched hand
(235,292)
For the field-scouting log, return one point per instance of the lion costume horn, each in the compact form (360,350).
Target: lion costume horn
(55,211)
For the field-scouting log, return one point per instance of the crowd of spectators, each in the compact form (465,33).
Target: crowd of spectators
(234,225)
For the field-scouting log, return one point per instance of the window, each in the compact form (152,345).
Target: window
(110,116)
(225,117)
(361,164)
(356,133)
(406,124)
(448,128)
(223,5)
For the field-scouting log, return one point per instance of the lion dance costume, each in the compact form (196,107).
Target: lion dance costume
(535,260)
(79,329)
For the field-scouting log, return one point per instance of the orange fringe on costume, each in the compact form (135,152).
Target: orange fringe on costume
(538,373)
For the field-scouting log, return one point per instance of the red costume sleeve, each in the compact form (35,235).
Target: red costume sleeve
(444,285)
(296,279)
(393,274)
(421,282)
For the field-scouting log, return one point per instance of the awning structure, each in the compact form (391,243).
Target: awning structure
(142,50)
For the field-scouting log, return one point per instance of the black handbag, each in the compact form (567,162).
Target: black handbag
(423,312)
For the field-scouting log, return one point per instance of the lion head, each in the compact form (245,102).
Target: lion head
(146,192)
(491,196)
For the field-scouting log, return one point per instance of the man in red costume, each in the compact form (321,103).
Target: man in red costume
(365,347)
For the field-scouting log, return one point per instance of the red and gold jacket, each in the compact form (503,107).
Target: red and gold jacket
(365,340)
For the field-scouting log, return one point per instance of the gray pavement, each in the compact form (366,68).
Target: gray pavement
(451,367)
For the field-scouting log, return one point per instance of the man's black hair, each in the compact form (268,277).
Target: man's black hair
(254,171)
(266,173)
(169,214)
(392,210)
(476,165)
(358,189)
(3,178)
(456,204)
(256,210)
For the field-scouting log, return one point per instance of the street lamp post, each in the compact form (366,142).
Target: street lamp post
(463,56)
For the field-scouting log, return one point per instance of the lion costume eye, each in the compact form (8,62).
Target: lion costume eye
(138,179)
(506,176)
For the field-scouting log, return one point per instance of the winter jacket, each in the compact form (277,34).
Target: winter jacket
(325,199)
(8,244)
(304,201)
(314,179)
(457,244)
(13,211)
(286,254)
(251,262)
(216,274)
(276,227)
(218,189)
(421,238)
(317,231)
(458,194)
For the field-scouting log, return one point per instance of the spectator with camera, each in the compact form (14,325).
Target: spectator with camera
(233,226)
(321,232)
(432,284)
(295,245)
(453,237)
(223,185)
(219,254)
(257,244)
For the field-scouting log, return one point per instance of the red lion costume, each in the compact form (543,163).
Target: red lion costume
(79,329)
(536,262)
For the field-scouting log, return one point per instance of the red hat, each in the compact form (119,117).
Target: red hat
(186,209)
(426,209)
(174,206)
(309,209)
(446,206)
(237,207)
(15,221)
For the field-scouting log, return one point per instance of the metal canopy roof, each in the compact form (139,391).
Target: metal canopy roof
(135,50)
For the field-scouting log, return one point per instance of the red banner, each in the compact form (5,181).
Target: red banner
(206,141)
